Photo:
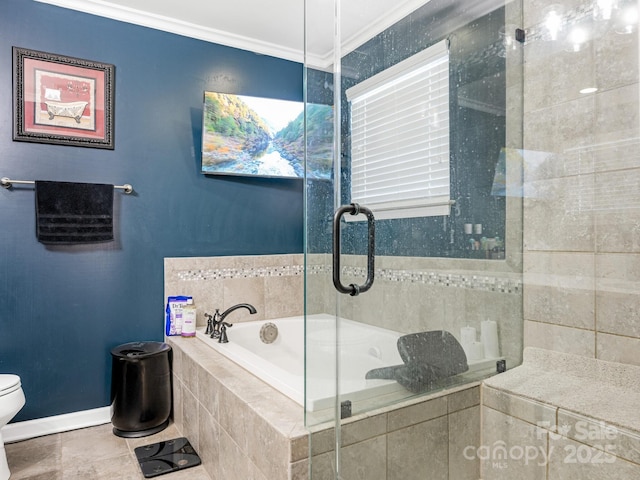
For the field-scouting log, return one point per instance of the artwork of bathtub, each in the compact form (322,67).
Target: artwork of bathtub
(67,109)
(281,363)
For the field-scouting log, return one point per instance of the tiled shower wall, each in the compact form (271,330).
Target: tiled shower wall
(581,256)
(582,202)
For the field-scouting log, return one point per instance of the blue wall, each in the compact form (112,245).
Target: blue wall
(63,308)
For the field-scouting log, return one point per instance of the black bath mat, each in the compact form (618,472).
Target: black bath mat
(167,456)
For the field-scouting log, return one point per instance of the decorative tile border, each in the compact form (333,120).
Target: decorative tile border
(251,272)
(470,281)
(443,279)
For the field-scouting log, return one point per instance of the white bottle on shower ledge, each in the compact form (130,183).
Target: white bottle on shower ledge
(189,319)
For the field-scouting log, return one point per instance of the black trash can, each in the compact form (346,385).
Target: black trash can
(140,388)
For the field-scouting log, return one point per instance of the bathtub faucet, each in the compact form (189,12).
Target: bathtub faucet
(217,327)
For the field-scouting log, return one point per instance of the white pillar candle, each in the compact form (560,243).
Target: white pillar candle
(474,351)
(467,335)
(489,338)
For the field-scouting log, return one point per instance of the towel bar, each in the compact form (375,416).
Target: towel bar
(8,183)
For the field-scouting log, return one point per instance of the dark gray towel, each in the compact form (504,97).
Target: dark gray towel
(73,213)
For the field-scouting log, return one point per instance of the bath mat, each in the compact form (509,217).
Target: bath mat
(166,457)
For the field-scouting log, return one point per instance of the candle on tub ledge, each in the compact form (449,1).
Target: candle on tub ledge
(489,338)
(473,349)
(467,335)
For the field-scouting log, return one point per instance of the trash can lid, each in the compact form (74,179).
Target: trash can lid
(139,349)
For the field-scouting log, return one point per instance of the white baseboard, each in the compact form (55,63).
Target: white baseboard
(15,432)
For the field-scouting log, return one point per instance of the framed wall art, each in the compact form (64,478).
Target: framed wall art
(62,100)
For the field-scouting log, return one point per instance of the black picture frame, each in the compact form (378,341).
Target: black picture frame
(63,100)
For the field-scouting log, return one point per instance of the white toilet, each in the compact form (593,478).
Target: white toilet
(11,401)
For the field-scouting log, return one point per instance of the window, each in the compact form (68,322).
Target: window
(400,137)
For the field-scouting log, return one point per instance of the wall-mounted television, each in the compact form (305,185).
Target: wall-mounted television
(243,135)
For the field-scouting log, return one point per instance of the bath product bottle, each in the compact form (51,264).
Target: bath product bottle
(189,319)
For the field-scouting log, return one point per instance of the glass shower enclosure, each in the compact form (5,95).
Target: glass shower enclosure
(413,247)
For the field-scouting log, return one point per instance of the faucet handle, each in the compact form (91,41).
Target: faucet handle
(209,329)
(223,332)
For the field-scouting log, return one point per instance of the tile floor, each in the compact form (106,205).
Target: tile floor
(93,453)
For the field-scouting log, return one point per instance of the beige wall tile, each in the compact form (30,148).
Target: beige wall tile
(464,432)
(233,462)
(419,451)
(617,301)
(575,461)
(500,430)
(559,338)
(407,416)
(617,113)
(601,435)
(618,228)
(615,348)
(177,402)
(322,441)
(283,296)
(571,307)
(244,290)
(617,205)
(267,448)
(235,419)
(569,70)
(463,399)
(558,214)
(208,392)
(323,466)
(191,418)
(559,127)
(360,430)
(366,459)
(519,407)
(209,439)
(616,62)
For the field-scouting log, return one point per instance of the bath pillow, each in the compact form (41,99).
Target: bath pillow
(428,357)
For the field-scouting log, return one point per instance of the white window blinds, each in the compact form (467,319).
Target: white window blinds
(400,137)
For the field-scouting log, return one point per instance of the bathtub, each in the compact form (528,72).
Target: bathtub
(281,363)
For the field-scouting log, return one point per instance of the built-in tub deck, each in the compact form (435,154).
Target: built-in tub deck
(239,424)
(282,363)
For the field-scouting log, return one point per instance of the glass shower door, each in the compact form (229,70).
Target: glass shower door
(413,241)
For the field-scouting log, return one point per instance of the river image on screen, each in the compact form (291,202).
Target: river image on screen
(243,135)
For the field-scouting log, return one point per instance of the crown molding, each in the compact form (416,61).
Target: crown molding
(320,60)
(158,22)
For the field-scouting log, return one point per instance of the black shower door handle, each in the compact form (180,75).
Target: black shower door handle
(354,209)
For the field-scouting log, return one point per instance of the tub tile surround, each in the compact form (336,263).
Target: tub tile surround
(560,416)
(243,428)
(247,428)
(409,295)
(221,282)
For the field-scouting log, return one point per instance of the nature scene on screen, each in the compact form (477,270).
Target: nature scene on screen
(244,135)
